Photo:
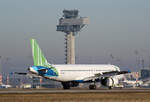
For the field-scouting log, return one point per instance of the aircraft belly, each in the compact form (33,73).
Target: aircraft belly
(71,76)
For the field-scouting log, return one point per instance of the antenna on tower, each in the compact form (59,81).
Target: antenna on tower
(71,24)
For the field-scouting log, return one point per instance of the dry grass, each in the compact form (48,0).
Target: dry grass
(77,97)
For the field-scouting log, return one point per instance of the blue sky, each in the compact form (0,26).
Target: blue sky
(117,27)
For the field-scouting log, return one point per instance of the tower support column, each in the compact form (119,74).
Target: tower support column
(70,48)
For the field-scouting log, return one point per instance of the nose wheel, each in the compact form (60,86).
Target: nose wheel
(92,87)
(110,87)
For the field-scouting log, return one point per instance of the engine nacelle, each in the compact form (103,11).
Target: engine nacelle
(109,81)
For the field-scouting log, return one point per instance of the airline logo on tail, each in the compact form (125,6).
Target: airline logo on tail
(38,57)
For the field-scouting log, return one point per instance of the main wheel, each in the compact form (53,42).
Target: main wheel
(65,85)
(92,87)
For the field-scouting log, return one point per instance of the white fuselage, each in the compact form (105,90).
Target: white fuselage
(80,72)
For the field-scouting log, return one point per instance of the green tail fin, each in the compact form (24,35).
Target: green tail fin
(38,57)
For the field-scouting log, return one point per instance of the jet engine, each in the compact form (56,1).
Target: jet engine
(109,82)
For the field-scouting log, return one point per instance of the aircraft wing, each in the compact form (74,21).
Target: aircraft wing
(111,73)
(98,76)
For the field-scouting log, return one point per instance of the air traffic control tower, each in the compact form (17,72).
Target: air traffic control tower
(71,24)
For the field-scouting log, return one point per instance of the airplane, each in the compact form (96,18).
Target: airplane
(132,83)
(70,75)
(5,86)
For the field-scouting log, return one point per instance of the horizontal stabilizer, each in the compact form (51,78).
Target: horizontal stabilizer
(20,73)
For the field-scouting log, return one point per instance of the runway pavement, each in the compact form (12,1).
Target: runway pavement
(74,95)
(24,91)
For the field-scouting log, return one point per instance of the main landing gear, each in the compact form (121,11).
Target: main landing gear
(66,85)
